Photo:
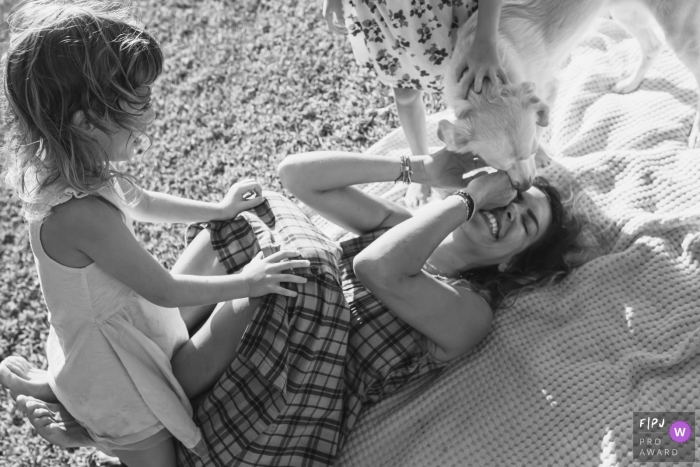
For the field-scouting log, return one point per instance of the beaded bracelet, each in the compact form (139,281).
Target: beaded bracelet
(468,202)
(406,172)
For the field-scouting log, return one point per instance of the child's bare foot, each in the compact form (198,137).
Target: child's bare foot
(53,423)
(23,378)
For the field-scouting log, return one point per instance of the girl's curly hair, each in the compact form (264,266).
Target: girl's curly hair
(66,57)
(546,262)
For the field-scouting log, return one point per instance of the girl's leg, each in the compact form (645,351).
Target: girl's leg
(199,259)
(160,455)
(211,350)
(411,110)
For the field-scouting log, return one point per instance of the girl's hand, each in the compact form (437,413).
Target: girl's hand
(334,8)
(491,190)
(444,169)
(242,196)
(481,62)
(264,275)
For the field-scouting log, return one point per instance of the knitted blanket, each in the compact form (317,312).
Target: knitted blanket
(558,378)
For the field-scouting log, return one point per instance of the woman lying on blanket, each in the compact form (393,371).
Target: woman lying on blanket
(409,294)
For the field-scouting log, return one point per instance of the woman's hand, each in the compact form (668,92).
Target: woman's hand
(264,275)
(481,62)
(333,8)
(242,196)
(444,169)
(491,190)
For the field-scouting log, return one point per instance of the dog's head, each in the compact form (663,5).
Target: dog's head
(500,126)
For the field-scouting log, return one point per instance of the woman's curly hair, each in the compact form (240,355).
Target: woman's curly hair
(546,262)
(66,57)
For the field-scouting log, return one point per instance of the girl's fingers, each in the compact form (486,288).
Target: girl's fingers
(291,278)
(251,202)
(291,264)
(493,77)
(478,81)
(259,256)
(282,291)
(467,81)
(282,254)
(503,76)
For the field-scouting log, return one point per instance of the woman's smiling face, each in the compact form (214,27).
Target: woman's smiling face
(494,237)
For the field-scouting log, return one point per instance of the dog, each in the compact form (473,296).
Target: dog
(502,124)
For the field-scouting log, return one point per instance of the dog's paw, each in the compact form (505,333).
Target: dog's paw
(626,85)
(417,195)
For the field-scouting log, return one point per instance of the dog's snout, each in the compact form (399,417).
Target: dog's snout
(523,185)
(522,174)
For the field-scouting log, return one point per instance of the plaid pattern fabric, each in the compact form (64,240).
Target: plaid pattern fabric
(383,352)
(305,365)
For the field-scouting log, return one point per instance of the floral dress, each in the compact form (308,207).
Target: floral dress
(406,42)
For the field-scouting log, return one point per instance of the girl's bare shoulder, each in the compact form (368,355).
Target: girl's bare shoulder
(68,225)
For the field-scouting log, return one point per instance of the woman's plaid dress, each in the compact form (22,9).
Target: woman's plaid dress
(306,365)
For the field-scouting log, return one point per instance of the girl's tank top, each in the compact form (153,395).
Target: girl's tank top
(109,351)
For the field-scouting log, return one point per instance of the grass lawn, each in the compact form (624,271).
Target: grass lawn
(246,82)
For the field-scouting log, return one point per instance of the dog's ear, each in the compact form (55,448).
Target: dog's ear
(542,111)
(540,108)
(528,87)
(446,133)
(455,137)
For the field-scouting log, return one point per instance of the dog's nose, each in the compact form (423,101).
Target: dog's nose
(523,185)
(522,174)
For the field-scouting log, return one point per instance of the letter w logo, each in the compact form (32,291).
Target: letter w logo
(679,431)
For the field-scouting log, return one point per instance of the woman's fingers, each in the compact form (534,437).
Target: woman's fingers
(476,173)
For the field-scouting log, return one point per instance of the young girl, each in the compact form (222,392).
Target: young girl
(408,45)
(121,360)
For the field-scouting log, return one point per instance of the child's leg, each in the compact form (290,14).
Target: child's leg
(160,455)
(411,110)
(212,349)
(199,259)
